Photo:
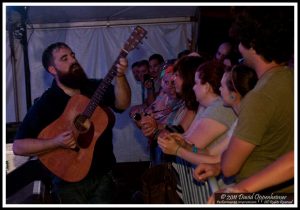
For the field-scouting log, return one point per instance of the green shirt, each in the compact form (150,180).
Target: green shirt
(266,120)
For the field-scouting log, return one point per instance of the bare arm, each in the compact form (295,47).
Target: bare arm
(32,147)
(187,119)
(202,134)
(218,149)
(235,156)
(277,172)
(122,88)
(197,158)
(205,132)
(173,144)
(204,171)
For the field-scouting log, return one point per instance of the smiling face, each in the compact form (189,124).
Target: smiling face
(167,84)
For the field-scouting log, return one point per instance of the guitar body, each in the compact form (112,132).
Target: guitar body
(72,165)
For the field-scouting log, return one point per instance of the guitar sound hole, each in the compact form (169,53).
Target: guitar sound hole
(82,123)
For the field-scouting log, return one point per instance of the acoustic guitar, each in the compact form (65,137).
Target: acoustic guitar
(87,121)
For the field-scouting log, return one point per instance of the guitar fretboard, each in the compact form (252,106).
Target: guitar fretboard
(99,93)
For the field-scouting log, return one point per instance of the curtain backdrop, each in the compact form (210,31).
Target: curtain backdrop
(96,49)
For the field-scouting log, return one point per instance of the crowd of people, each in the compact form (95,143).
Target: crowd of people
(229,117)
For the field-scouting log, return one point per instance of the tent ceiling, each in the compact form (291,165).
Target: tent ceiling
(68,14)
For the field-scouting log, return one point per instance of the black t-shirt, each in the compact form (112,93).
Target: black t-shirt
(50,107)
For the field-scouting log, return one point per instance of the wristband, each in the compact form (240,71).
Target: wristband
(194,149)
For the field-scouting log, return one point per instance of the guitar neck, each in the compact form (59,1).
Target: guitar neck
(136,36)
(99,93)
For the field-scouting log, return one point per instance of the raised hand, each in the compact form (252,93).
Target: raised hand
(122,67)
(205,170)
(148,124)
(168,145)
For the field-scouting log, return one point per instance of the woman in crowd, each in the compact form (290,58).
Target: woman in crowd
(208,128)
(180,118)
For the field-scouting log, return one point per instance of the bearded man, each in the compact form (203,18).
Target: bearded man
(70,80)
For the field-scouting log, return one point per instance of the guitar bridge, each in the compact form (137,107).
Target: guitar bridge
(85,130)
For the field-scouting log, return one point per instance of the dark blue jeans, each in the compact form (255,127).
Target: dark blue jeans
(91,190)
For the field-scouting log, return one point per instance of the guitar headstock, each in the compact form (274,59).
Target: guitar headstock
(135,38)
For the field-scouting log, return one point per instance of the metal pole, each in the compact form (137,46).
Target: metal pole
(13,63)
(26,65)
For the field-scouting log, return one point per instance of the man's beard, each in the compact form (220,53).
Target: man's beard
(75,78)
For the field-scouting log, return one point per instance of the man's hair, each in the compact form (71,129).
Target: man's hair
(135,64)
(47,58)
(269,30)
(143,63)
(157,57)
(183,53)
